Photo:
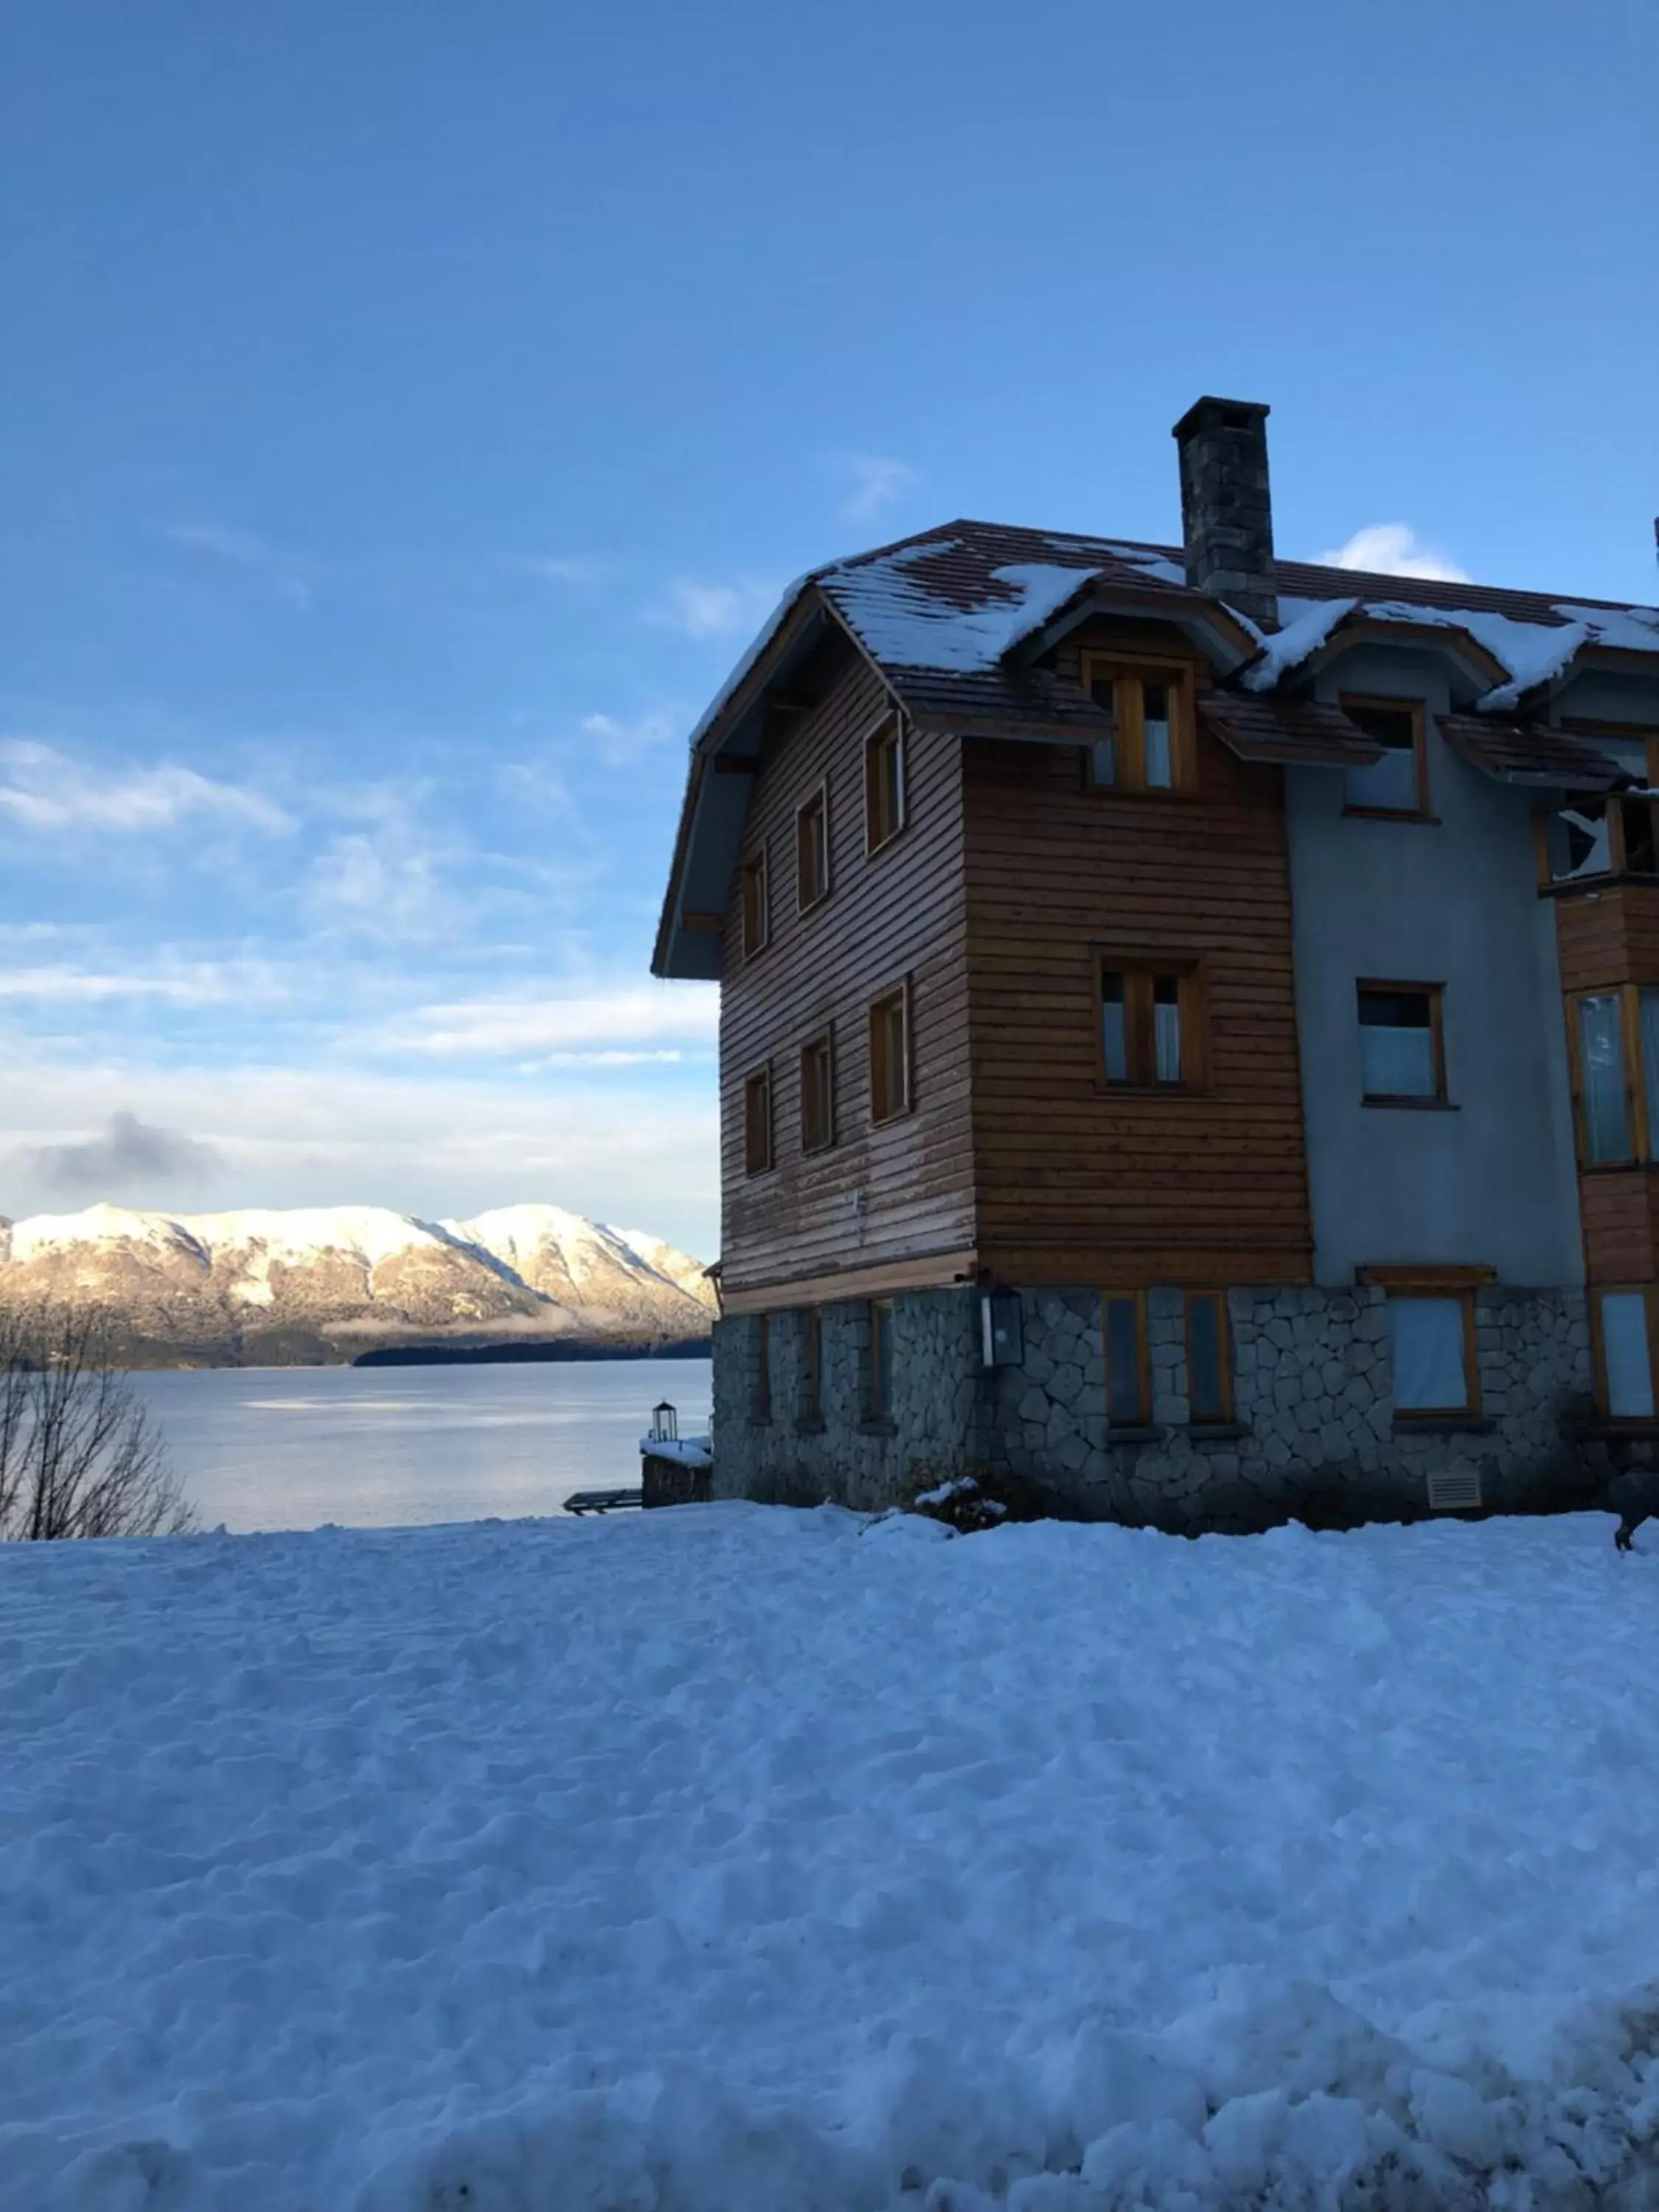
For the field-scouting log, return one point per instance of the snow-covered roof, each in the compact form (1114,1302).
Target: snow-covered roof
(957,621)
(961,600)
(907,622)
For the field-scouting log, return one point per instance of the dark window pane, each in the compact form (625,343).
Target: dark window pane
(1124,1403)
(881,1360)
(761,1406)
(1396,1045)
(1208,1401)
(1390,783)
(1394,726)
(811,1362)
(1103,754)
(1115,1029)
(1579,843)
(1639,851)
(1397,1010)
(1602,1061)
(1166,1028)
(1158,757)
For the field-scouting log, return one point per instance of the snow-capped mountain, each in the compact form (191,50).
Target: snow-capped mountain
(274,1284)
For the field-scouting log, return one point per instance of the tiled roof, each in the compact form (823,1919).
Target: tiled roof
(1530,752)
(1263,728)
(943,614)
(979,548)
(954,619)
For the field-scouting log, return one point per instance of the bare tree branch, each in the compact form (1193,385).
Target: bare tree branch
(80,1453)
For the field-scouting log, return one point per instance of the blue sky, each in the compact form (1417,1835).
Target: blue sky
(409,412)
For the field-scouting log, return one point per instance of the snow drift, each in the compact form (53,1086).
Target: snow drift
(737,1860)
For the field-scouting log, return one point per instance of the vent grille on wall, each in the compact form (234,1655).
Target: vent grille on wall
(1455,1490)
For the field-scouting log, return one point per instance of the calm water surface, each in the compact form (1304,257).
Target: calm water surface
(386,1447)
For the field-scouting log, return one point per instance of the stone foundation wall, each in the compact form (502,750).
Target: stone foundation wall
(841,1450)
(1316,1435)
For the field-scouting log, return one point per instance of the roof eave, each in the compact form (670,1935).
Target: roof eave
(1482,670)
(799,624)
(1211,625)
(730,713)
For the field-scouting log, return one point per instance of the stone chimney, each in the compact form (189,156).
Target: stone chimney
(1226,505)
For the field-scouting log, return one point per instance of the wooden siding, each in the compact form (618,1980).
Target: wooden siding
(1077,1183)
(1621,1209)
(1608,937)
(898,1197)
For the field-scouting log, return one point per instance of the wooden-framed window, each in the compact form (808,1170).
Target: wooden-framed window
(817,1092)
(810,1340)
(812,849)
(760,1395)
(757,1155)
(1150,1022)
(1152,746)
(1436,1370)
(889,1054)
(1398,784)
(1625,1333)
(756,905)
(1611,835)
(1402,1049)
(1209,1357)
(884,783)
(1129,1358)
(1617,834)
(1612,1040)
(879,1396)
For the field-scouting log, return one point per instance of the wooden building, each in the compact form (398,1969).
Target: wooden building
(1189,1024)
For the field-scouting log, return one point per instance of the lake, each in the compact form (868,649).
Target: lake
(387,1447)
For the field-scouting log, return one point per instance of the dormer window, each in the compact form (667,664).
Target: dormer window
(1601,836)
(1149,747)
(1398,784)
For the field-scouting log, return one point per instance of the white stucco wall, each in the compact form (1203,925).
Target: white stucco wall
(1491,1179)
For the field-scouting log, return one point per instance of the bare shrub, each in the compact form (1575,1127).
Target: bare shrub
(80,1453)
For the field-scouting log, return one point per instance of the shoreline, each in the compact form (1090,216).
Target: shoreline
(490,1356)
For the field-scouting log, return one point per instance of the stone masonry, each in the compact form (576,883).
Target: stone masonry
(800,1454)
(1315,1437)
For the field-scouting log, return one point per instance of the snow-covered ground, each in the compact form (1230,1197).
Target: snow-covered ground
(736,1860)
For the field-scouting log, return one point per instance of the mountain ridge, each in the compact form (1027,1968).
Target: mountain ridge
(265,1285)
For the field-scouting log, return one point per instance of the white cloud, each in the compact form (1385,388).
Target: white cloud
(671,1059)
(700,610)
(1391,548)
(563,569)
(43,788)
(290,575)
(631,1018)
(622,744)
(431,1143)
(207,985)
(876,481)
(384,883)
